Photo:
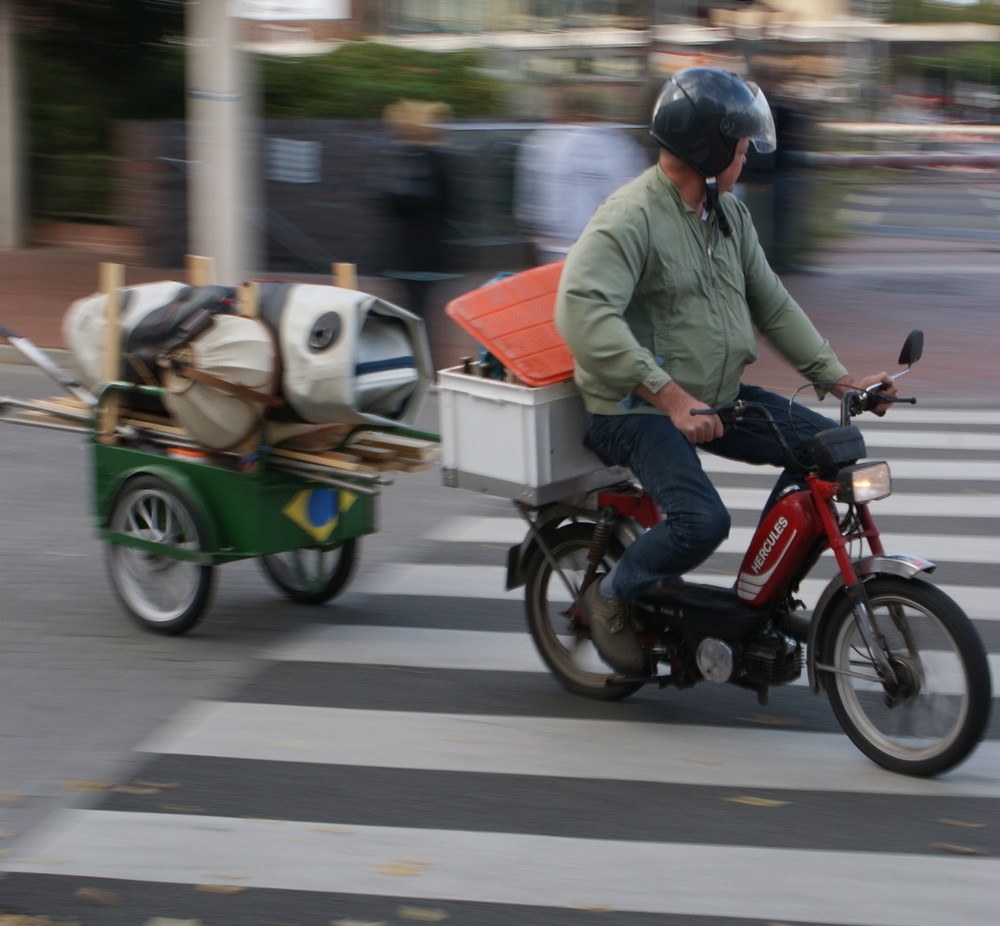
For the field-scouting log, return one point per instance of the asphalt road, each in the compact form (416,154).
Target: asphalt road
(209,777)
(364,719)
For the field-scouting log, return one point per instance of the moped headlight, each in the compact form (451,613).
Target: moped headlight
(864,482)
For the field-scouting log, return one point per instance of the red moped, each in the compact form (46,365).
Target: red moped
(902,665)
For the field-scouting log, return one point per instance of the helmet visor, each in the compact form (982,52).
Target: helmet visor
(754,121)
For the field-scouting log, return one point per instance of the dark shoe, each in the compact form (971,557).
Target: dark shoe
(612,632)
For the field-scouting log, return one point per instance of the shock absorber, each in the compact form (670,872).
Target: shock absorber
(599,543)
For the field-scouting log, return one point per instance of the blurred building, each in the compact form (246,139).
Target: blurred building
(321,201)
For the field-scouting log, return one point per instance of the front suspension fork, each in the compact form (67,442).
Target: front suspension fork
(855,588)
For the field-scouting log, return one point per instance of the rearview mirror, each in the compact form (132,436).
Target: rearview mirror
(913,347)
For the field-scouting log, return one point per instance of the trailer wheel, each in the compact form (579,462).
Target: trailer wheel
(161,593)
(309,575)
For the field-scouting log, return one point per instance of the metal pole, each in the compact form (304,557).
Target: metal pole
(11,164)
(223,213)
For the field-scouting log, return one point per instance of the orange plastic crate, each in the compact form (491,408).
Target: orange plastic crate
(513,319)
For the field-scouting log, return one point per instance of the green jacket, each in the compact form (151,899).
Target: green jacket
(650,292)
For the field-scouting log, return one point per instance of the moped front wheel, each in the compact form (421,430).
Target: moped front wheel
(933,714)
(557,626)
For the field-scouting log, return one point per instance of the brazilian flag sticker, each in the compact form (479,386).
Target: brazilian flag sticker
(317,511)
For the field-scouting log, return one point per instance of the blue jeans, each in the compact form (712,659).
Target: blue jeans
(667,466)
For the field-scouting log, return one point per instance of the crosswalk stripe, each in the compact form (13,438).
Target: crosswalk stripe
(949,504)
(921,414)
(480,650)
(944,470)
(947,547)
(551,746)
(949,440)
(535,870)
(901,504)
(489,583)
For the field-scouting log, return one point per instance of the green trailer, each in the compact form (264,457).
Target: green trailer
(171,511)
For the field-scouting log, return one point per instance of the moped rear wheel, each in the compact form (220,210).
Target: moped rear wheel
(936,712)
(558,628)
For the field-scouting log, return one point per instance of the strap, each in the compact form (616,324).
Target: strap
(185,369)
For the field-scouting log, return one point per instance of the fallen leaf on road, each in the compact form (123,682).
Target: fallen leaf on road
(220,888)
(956,850)
(424,914)
(769,721)
(972,826)
(75,784)
(404,867)
(18,919)
(97,895)
(755,801)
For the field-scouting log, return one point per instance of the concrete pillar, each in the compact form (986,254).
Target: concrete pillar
(223,192)
(12,205)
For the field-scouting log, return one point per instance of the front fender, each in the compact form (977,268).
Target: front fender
(893,564)
(176,479)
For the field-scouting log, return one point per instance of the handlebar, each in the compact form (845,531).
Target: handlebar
(853,403)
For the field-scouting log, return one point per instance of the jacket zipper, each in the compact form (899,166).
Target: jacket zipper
(709,231)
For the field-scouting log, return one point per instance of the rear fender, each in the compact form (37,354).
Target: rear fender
(890,564)
(521,555)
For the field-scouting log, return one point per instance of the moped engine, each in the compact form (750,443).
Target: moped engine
(769,658)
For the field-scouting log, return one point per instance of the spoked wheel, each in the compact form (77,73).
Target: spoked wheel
(161,593)
(559,629)
(310,575)
(935,713)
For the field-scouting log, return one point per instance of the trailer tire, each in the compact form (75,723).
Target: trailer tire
(160,593)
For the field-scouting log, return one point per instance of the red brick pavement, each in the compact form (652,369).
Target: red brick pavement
(865,295)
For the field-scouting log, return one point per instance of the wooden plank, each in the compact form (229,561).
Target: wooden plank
(412,448)
(200,270)
(248,299)
(112,279)
(146,424)
(334,460)
(376,454)
(345,276)
(63,403)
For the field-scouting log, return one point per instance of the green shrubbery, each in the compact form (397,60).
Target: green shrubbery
(72,109)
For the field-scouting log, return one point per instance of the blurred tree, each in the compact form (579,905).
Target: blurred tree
(88,63)
(127,51)
(924,11)
(357,81)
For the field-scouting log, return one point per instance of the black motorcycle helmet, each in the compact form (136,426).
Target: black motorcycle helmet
(702,112)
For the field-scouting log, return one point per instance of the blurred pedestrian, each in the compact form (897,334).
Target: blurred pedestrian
(565,170)
(418,190)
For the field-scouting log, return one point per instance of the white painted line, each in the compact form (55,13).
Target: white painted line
(936,440)
(482,651)
(967,548)
(510,868)
(489,582)
(944,470)
(513,745)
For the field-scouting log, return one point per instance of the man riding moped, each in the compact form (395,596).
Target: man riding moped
(658,302)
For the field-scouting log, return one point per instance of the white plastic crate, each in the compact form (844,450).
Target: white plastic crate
(516,442)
